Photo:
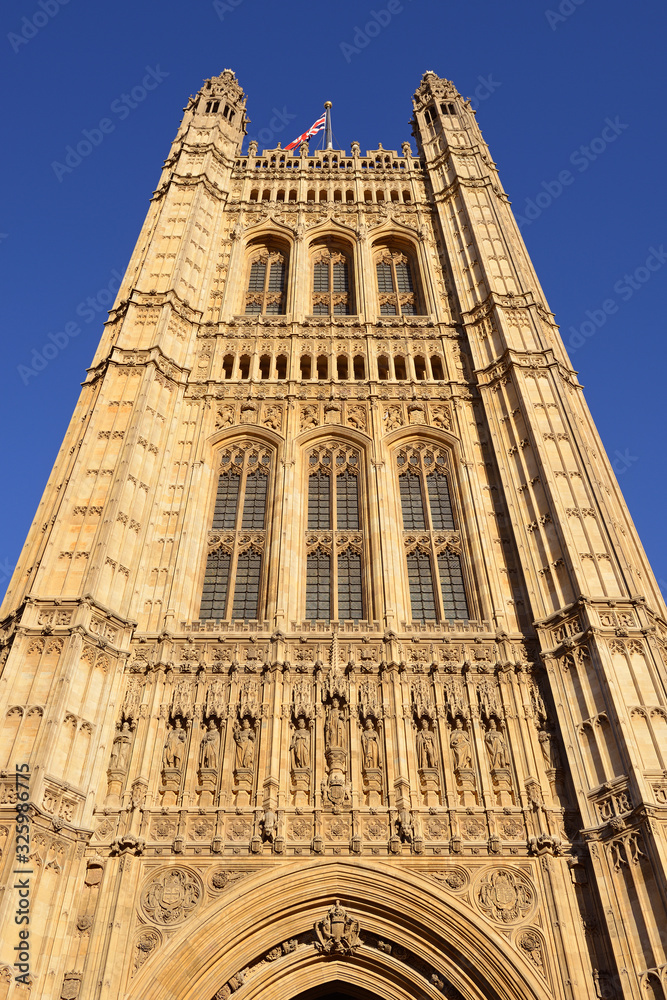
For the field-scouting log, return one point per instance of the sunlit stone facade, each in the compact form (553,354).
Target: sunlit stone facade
(333,653)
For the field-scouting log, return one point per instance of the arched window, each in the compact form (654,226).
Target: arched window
(331,283)
(334,536)
(435,575)
(234,578)
(396,284)
(267,282)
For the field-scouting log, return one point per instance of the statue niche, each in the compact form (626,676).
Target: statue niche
(209,763)
(300,762)
(173,756)
(119,762)
(244,759)
(371,762)
(496,748)
(427,761)
(335,790)
(460,746)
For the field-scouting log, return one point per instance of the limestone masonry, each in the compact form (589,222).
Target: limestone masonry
(332,664)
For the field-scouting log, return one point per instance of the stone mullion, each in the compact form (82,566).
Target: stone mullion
(391,712)
(593,470)
(228,746)
(233,293)
(216,241)
(388,540)
(477,537)
(54,499)
(518,511)
(147,747)
(103,728)
(92,577)
(54,714)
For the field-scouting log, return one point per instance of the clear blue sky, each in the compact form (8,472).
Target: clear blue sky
(555,80)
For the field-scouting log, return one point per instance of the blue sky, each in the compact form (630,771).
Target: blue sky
(570,99)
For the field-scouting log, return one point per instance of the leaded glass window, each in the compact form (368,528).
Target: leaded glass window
(334,537)
(267,281)
(396,288)
(435,571)
(234,576)
(420,579)
(331,284)
(318,585)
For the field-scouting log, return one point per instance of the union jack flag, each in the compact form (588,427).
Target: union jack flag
(313,130)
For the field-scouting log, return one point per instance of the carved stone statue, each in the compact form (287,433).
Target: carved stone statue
(496,745)
(334,732)
(120,751)
(208,754)
(549,748)
(300,746)
(425,746)
(269,824)
(244,738)
(370,746)
(174,748)
(404,825)
(460,746)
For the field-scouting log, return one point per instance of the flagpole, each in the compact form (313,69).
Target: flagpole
(328,135)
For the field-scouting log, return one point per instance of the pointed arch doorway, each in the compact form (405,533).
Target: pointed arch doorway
(336,991)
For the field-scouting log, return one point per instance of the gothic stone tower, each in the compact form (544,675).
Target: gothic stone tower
(333,653)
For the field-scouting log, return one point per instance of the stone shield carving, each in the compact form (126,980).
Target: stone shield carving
(171,895)
(504,895)
(337,933)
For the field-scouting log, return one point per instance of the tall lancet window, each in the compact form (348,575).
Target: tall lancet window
(430,535)
(332,295)
(234,580)
(397,292)
(267,282)
(335,586)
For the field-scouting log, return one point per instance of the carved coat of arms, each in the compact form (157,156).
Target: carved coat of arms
(337,933)
(505,896)
(171,896)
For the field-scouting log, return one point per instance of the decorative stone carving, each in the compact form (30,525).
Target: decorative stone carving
(337,933)
(496,746)
(300,746)
(171,895)
(174,747)
(460,745)
(370,747)
(244,737)
(504,896)
(426,749)
(146,944)
(120,751)
(210,747)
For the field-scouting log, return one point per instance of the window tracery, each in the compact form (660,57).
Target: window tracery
(234,576)
(396,284)
(267,281)
(430,536)
(334,536)
(331,283)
